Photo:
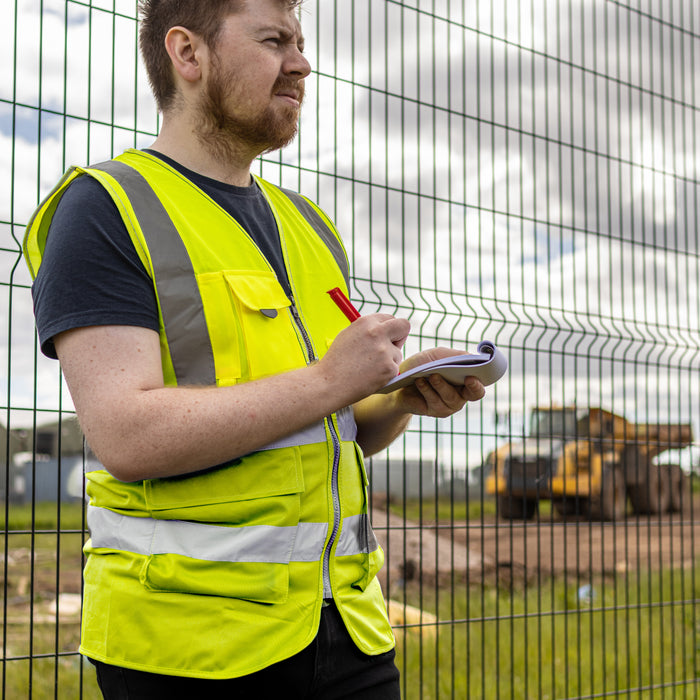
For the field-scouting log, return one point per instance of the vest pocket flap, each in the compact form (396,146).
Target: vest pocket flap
(265,474)
(254,581)
(257,290)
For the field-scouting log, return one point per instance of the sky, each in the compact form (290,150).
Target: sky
(529,176)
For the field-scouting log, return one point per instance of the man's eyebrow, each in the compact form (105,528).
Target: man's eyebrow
(284,32)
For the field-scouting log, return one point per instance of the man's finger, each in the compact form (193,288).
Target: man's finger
(473,389)
(441,398)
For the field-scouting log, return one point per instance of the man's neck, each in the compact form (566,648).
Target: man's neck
(183,147)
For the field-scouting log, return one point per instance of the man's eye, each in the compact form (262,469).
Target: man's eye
(274,40)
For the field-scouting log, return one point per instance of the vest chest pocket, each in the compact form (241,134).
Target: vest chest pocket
(250,325)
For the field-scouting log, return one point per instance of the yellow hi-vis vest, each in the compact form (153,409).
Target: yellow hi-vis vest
(223,572)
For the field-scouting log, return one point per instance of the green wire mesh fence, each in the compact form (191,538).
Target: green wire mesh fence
(524,172)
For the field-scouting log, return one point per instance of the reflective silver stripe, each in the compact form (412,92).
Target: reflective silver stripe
(317,432)
(346,424)
(322,229)
(180,301)
(308,545)
(314,433)
(356,537)
(254,543)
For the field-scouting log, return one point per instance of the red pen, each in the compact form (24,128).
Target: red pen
(344,304)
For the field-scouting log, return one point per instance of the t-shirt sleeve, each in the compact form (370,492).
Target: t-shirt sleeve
(90,274)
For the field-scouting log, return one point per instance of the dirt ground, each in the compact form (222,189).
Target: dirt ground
(513,552)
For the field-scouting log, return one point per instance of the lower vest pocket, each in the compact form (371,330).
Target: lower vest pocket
(254,581)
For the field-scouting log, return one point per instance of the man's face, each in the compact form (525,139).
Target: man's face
(255,83)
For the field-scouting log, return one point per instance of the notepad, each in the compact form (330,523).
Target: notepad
(488,365)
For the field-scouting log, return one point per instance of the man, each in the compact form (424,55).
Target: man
(226,395)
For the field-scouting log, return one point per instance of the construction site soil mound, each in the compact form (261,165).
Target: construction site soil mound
(500,552)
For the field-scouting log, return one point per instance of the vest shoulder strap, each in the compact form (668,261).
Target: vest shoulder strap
(324,231)
(192,363)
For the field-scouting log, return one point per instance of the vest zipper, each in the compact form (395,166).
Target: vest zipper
(302,330)
(335,495)
(327,590)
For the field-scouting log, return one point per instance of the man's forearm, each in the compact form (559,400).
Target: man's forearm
(380,420)
(171,431)
(141,429)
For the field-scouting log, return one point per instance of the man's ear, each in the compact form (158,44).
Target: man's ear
(185,50)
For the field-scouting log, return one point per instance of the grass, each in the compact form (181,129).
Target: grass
(442,509)
(70,676)
(44,555)
(639,633)
(42,516)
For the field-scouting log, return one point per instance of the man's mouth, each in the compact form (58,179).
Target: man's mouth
(290,96)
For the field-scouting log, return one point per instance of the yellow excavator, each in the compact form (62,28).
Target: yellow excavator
(590,463)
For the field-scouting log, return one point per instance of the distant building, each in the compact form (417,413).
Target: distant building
(43,465)
(402,478)
(62,437)
(416,478)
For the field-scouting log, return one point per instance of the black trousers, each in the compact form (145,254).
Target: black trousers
(330,668)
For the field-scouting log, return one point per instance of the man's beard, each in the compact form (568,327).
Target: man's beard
(226,135)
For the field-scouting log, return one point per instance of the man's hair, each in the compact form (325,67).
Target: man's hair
(204,18)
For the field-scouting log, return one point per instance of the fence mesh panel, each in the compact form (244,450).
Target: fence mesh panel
(519,171)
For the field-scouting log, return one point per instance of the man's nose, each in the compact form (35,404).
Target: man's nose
(296,63)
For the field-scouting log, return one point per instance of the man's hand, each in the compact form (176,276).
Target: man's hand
(365,355)
(434,396)
(381,418)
